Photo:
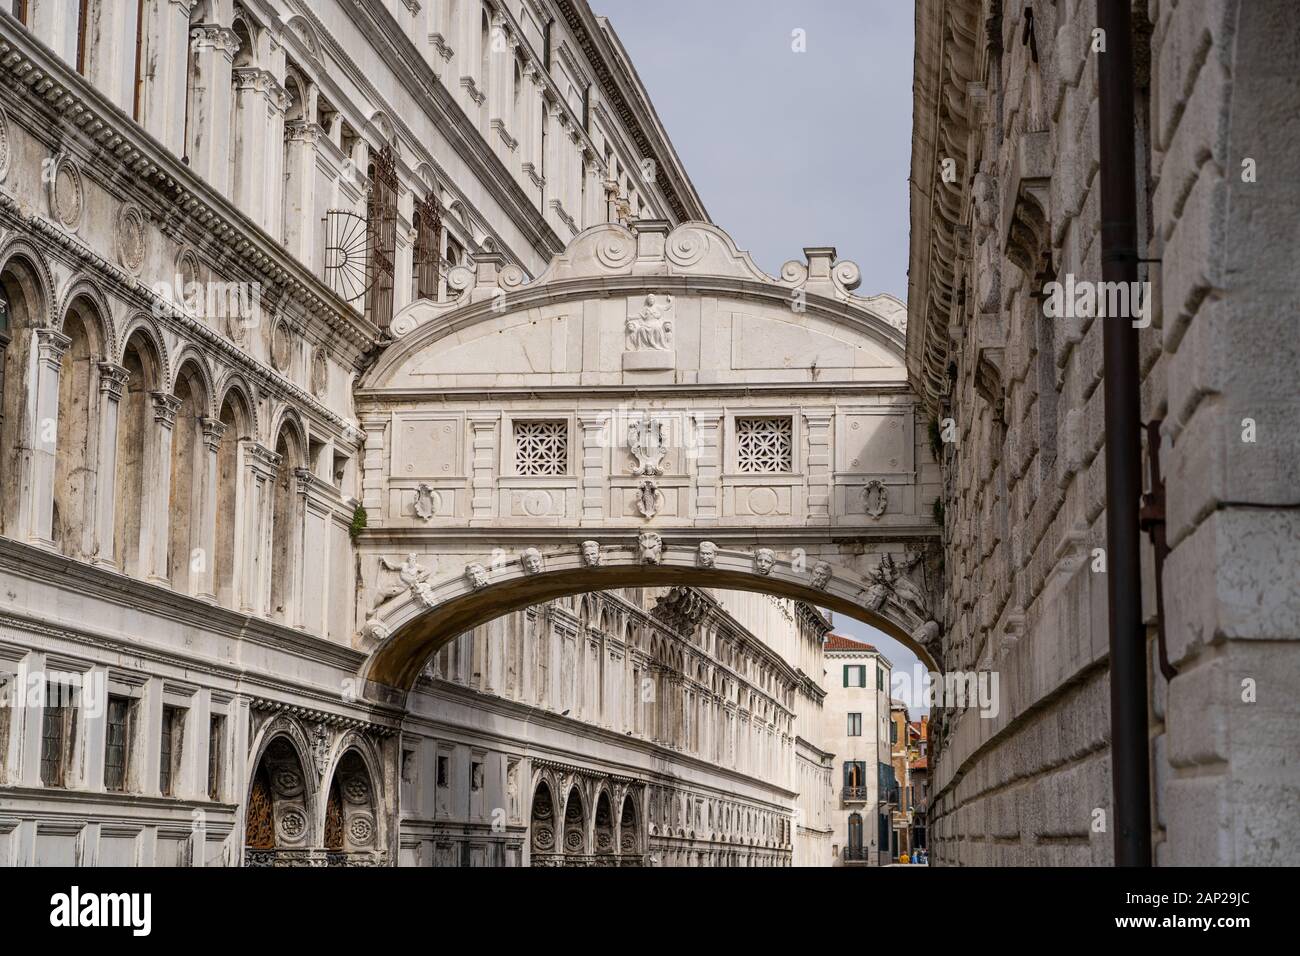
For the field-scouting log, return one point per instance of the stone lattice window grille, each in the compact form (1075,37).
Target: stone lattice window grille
(765,446)
(542,448)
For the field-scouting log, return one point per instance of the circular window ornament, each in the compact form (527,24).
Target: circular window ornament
(67,197)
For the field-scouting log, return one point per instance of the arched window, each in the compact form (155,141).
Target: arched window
(427,224)
(381,225)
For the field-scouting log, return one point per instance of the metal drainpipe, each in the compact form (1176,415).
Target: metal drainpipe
(1130,761)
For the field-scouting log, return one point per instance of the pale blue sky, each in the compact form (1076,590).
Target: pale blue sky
(787,149)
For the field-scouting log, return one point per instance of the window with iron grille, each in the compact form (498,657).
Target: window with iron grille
(57,729)
(216,741)
(428,248)
(381,227)
(173,726)
(117,744)
(765,446)
(542,448)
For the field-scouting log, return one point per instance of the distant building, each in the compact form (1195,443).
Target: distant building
(855,716)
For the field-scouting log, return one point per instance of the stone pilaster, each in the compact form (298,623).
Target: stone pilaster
(112,380)
(817,464)
(37,488)
(707,424)
(483,503)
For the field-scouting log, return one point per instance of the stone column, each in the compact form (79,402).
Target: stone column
(112,379)
(303,139)
(204,584)
(817,464)
(254,589)
(41,438)
(259,116)
(157,489)
(708,464)
(530,136)
(165,34)
(500,86)
(210,104)
(309,550)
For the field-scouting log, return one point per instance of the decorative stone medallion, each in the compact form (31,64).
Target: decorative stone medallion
(188,292)
(281,345)
(293,825)
(361,830)
(319,373)
(5,149)
(875,498)
(130,239)
(67,196)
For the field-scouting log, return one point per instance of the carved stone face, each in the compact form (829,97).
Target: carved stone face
(821,575)
(532,561)
(591,553)
(764,560)
(477,574)
(651,547)
(708,554)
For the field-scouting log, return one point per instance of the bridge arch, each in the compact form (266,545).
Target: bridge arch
(875,588)
(652,411)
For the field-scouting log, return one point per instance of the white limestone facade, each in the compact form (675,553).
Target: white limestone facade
(199,263)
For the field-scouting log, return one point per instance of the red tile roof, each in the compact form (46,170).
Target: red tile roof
(838,642)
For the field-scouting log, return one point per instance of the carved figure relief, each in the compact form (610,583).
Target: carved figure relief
(649,499)
(477,574)
(707,554)
(652,328)
(764,560)
(591,553)
(650,547)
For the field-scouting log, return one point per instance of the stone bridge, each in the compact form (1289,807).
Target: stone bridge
(652,410)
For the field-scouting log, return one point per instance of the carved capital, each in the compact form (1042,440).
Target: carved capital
(50,346)
(212,432)
(112,379)
(165,408)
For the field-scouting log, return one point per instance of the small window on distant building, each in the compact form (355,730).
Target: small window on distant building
(117,744)
(173,729)
(855,675)
(58,731)
(442,770)
(216,743)
(855,725)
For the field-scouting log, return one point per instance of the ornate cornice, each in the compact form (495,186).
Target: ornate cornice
(112,145)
